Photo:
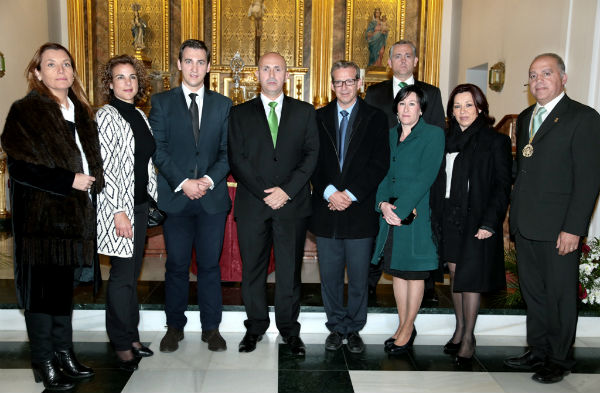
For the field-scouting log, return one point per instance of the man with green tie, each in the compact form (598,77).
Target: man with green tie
(557,184)
(273,148)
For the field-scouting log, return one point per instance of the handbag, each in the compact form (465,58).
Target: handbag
(155,216)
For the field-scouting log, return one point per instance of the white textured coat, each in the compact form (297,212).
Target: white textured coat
(117,146)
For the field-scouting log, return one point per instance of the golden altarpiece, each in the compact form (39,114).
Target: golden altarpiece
(310,35)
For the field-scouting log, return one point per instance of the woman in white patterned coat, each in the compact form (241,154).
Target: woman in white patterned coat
(127,146)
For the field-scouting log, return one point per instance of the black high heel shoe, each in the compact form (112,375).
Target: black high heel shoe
(450,348)
(465,361)
(50,375)
(394,349)
(70,366)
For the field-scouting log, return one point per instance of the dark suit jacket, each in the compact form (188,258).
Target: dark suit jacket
(177,155)
(381,96)
(257,166)
(556,188)
(366,162)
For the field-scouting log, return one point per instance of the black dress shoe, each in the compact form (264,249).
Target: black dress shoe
(389,342)
(216,342)
(49,373)
(550,373)
(296,345)
(129,365)
(248,343)
(334,341)
(170,342)
(527,361)
(70,366)
(355,344)
(450,348)
(142,352)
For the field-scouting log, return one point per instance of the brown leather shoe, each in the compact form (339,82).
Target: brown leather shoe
(215,341)
(170,342)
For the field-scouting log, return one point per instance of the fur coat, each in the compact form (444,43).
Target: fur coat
(53,223)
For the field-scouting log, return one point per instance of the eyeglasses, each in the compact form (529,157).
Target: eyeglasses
(347,82)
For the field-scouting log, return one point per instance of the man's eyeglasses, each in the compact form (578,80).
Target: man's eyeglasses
(347,82)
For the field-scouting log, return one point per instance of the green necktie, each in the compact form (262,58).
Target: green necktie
(537,120)
(273,123)
(402,84)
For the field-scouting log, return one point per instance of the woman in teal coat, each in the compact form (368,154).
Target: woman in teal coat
(405,238)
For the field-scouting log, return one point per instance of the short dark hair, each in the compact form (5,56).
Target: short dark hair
(345,64)
(478,96)
(194,44)
(405,91)
(106,77)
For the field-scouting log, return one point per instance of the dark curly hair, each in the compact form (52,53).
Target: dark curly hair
(106,77)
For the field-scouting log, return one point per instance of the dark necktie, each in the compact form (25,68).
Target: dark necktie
(195,116)
(402,84)
(342,136)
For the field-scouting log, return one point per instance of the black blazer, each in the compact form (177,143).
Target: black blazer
(556,188)
(177,156)
(257,166)
(366,162)
(381,95)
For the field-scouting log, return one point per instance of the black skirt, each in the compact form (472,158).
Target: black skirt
(387,261)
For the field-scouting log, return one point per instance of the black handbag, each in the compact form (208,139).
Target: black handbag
(155,216)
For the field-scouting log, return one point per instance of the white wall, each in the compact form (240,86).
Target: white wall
(24,26)
(514,31)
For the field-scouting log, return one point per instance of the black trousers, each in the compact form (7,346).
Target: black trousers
(122,309)
(48,333)
(255,238)
(548,284)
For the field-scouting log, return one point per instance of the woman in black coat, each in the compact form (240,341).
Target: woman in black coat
(469,202)
(56,169)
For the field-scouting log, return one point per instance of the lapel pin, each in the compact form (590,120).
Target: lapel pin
(556,120)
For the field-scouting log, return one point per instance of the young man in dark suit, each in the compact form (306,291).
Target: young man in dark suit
(557,184)
(403,60)
(273,147)
(354,157)
(190,128)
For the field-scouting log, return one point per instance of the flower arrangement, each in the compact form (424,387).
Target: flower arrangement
(589,272)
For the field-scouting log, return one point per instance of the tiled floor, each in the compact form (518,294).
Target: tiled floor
(272,368)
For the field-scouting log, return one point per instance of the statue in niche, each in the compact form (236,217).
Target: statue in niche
(138,30)
(376,36)
(256,12)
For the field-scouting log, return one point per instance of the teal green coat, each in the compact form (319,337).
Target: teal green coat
(414,165)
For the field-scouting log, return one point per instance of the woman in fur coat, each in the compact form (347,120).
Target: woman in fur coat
(56,170)
(127,145)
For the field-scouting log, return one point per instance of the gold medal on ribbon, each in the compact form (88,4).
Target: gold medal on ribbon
(528,150)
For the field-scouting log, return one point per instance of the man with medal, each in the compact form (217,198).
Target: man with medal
(558,179)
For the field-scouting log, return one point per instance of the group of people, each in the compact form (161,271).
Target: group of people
(381,182)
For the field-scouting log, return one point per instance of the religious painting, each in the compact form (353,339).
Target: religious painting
(371,27)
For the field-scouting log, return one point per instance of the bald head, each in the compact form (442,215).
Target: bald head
(272,74)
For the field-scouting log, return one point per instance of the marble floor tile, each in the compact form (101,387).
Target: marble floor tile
(294,381)
(247,381)
(584,383)
(18,381)
(264,357)
(521,382)
(168,380)
(419,382)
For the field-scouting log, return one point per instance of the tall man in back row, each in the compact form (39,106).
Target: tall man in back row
(403,60)
(558,178)
(273,148)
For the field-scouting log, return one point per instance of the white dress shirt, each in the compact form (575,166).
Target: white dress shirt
(265,101)
(396,88)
